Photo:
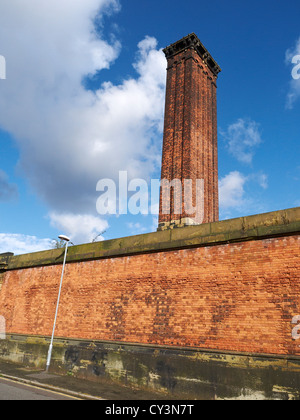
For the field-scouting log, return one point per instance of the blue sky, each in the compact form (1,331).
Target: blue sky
(83,99)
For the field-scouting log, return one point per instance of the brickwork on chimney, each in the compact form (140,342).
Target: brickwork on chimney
(190,149)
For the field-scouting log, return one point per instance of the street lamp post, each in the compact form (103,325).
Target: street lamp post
(67,240)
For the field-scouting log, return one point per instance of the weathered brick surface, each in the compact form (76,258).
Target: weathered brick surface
(190,149)
(239,297)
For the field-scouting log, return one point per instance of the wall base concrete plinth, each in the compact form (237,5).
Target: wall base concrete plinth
(180,372)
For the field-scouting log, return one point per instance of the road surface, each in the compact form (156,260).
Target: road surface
(11,390)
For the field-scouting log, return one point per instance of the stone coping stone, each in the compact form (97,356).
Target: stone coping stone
(267,225)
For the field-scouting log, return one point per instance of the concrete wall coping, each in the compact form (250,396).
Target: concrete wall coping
(267,225)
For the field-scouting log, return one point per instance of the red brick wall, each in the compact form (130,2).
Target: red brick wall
(239,297)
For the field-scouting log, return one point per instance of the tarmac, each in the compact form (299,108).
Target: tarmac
(80,388)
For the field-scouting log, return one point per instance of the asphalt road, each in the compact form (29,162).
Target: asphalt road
(12,391)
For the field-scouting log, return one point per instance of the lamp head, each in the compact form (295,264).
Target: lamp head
(64,238)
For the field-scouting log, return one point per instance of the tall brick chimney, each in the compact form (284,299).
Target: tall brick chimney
(190,149)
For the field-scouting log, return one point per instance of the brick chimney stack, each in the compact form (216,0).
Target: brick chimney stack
(190,149)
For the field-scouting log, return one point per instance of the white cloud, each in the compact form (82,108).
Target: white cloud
(239,193)
(294,86)
(68,137)
(136,228)
(232,192)
(23,244)
(263,181)
(242,137)
(80,228)
(8,190)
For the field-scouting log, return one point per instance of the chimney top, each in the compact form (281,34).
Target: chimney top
(192,41)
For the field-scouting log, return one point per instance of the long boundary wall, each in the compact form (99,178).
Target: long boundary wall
(231,287)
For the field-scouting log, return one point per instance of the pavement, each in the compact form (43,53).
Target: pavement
(76,387)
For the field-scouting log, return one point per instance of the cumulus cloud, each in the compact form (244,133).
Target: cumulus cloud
(240,193)
(242,138)
(263,180)
(70,137)
(232,191)
(23,244)
(292,59)
(80,228)
(8,190)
